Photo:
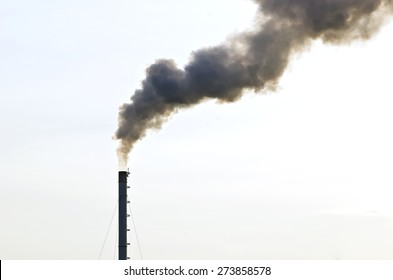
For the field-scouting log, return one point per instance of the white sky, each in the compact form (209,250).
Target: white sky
(302,173)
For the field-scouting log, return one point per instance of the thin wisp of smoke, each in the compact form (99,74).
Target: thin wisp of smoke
(249,61)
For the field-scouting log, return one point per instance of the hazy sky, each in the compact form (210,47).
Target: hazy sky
(301,173)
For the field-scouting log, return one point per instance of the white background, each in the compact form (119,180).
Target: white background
(280,270)
(301,173)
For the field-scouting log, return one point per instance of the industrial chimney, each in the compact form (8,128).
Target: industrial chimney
(123,214)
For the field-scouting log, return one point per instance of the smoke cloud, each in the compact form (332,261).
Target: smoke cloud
(248,61)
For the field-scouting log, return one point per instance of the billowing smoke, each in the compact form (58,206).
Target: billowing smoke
(249,61)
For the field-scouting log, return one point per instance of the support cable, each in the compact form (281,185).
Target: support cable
(136,234)
(103,244)
(114,253)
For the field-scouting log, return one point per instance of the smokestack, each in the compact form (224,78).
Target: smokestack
(123,214)
(249,61)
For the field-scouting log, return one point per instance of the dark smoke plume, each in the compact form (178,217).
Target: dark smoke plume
(249,61)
